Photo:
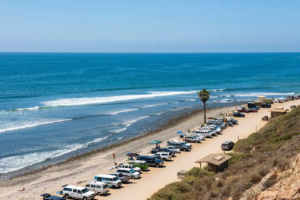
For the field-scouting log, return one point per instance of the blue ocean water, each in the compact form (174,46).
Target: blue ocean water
(57,105)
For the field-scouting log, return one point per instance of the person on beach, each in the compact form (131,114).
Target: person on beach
(114,156)
(116,163)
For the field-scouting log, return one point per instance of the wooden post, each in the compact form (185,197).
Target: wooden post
(200,165)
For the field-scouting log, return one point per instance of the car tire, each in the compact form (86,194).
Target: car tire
(66,196)
(84,198)
(99,193)
(132,177)
(156,165)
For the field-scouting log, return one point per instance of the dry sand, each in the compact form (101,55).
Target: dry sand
(81,170)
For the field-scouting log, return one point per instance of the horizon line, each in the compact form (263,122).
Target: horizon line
(150,52)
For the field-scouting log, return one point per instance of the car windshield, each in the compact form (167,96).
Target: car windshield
(115,179)
(132,171)
(85,190)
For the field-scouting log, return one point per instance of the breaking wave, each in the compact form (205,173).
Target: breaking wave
(29,124)
(100,100)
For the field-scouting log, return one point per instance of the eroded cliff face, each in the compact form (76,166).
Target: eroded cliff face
(277,185)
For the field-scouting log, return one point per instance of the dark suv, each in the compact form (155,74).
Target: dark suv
(238,114)
(227,146)
(178,145)
(154,151)
(152,161)
(266,105)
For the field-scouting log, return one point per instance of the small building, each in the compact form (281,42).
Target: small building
(275,112)
(261,99)
(216,162)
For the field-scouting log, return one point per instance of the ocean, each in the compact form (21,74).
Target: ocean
(57,105)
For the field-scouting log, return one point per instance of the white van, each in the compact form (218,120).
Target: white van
(204,133)
(111,180)
(97,187)
(129,172)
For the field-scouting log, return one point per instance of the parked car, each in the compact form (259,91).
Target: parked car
(227,146)
(266,105)
(224,120)
(112,181)
(278,100)
(97,187)
(193,139)
(124,178)
(129,172)
(234,121)
(242,109)
(130,166)
(206,133)
(47,196)
(185,143)
(216,128)
(253,110)
(164,155)
(238,114)
(252,105)
(217,123)
(152,161)
(178,145)
(139,163)
(156,150)
(77,192)
(290,97)
(211,129)
(177,150)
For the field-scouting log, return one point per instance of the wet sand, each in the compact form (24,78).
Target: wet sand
(82,169)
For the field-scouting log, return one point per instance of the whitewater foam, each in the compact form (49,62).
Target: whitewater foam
(255,94)
(30,124)
(100,100)
(122,111)
(14,163)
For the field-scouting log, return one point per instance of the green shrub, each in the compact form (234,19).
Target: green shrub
(236,157)
(199,173)
(285,137)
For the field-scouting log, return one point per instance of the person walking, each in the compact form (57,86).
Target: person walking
(114,156)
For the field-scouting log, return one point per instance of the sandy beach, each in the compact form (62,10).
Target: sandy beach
(83,169)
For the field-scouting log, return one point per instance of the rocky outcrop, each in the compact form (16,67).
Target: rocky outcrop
(277,185)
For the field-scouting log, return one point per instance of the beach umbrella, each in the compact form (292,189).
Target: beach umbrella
(132,154)
(179,132)
(155,142)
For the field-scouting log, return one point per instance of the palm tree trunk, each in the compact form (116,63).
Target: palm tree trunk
(204,113)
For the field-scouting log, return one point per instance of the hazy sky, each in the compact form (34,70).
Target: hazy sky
(150,25)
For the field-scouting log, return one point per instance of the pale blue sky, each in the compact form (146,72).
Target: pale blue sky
(150,25)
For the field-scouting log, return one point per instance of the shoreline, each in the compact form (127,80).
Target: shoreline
(184,115)
(100,160)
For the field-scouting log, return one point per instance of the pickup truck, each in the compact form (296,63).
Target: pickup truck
(156,150)
(77,192)
(152,161)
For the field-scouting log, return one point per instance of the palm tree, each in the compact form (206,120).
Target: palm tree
(204,96)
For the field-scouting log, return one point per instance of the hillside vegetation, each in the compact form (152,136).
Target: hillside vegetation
(271,147)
